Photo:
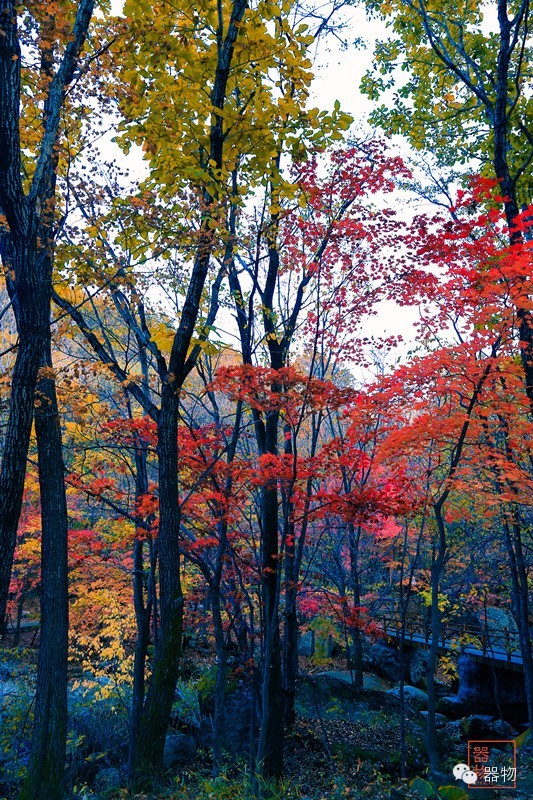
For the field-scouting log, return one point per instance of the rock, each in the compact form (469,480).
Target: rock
(375,682)
(237,721)
(418,667)
(306,644)
(504,729)
(180,750)
(384,660)
(335,685)
(336,675)
(501,628)
(346,676)
(107,779)
(413,696)
(451,707)
(483,726)
(440,719)
(476,688)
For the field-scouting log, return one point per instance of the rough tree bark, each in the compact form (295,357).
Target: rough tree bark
(44,779)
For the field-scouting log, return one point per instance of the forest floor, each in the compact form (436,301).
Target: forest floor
(344,746)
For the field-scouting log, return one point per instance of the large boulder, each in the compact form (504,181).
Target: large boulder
(370,681)
(180,750)
(306,644)
(501,628)
(414,697)
(483,726)
(237,721)
(440,719)
(330,695)
(452,707)
(384,659)
(418,667)
(107,780)
(482,688)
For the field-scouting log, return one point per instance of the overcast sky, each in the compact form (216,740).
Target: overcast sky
(339,69)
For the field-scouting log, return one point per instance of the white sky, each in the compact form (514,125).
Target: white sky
(339,70)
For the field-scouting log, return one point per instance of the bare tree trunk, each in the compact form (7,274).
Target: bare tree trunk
(404,605)
(437,566)
(149,747)
(270,748)
(14,454)
(142,616)
(220,684)
(290,633)
(44,780)
(20,609)
(520,602)
(143,582)
(356,661)
(518,565)
(27,252)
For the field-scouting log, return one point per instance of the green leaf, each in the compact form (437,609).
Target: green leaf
(452,793)
(524,737)
(422,787)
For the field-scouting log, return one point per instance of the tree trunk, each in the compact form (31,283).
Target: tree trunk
(290,633)
(437,566)
(20,610)
(155,718)
(270,749)
(518,566)
(220,684)
(142,618)
(17,438)
(520,602)
(508,184)
(143,583)
(356,661)
(290,645)
(44,780)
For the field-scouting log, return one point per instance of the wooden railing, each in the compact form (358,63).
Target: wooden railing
(491,642)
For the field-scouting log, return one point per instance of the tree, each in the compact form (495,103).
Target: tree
(481,285)
(192,173)
(316,253)
(236,126)
(27,238)
(467,90)
(27,233)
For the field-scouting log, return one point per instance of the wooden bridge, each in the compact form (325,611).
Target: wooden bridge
(485,645)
